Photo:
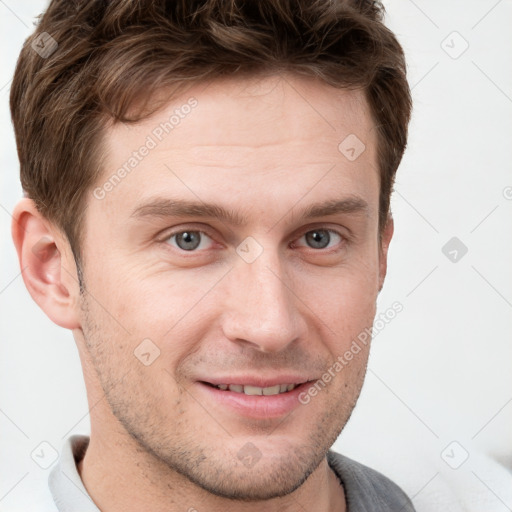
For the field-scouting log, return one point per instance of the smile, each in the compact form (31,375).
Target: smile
(247,389)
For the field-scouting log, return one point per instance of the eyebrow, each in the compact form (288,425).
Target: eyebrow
(162,207)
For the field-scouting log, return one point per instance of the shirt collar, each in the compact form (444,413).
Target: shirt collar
(65,484)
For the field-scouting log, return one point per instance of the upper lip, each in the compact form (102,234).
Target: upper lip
(258,381)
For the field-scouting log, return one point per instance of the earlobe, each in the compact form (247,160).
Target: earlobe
(387,234)
(46,263)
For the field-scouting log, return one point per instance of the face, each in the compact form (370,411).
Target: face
(240,250)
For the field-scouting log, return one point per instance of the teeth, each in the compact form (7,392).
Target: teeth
(255,390)
(272,390)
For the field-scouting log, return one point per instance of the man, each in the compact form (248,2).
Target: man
(207,209)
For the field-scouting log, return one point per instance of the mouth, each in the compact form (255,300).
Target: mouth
(255,400)
(248,389)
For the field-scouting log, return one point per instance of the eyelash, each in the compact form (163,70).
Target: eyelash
(343,239)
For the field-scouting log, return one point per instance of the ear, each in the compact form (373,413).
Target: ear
(387,234)
(47,264)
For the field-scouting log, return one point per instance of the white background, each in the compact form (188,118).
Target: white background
(441,370)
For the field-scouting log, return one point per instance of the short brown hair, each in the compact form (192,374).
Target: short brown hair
(111,55)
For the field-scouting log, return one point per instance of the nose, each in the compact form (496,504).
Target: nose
(260,307)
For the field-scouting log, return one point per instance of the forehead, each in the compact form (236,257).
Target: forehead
(233,137)
(236,110)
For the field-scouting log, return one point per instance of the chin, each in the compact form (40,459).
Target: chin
(259,483)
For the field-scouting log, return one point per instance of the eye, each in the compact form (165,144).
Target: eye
(188,240)
(321,238)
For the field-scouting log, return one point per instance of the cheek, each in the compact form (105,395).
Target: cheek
(342,295)
(344,311)
(155,313)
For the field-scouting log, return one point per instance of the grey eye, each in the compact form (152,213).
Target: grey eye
(188,240)
(319,238)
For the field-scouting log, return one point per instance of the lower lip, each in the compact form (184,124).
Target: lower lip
(256,406)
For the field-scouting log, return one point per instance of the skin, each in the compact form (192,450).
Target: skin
(266,149)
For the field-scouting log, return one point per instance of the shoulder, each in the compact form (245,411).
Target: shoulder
(366,489)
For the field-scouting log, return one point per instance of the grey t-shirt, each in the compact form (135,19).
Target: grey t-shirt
(366,490)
